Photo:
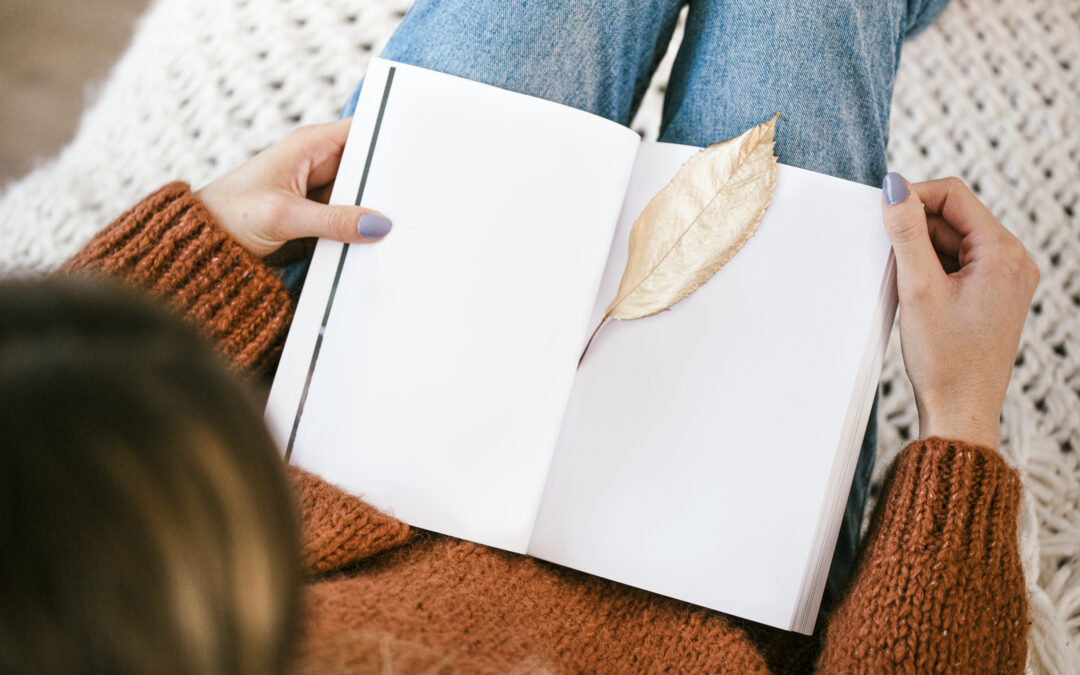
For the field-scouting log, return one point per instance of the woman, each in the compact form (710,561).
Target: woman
(938,583)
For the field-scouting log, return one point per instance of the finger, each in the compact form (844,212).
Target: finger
(945,238)
(905,222)
(350,224)
(951,199)
(983,235)
(948,243)
(316,150)
(324,166)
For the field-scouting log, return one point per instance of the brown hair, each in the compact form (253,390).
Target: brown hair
(146,521)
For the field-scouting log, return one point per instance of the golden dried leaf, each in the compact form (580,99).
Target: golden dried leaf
(697,223)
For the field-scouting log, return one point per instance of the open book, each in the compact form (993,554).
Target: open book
(703,453)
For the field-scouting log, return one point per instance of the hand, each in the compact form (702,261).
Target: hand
(281,193)
(964,283)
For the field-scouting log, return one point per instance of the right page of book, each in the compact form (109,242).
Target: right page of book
(707,451)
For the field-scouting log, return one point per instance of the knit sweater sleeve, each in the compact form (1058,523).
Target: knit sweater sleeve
(170,244)
(938,586)
(338,529)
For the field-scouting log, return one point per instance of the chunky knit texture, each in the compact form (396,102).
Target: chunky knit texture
(937,587)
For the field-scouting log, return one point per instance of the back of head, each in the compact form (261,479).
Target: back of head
(146,521)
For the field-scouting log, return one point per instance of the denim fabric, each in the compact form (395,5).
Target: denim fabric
(828,65)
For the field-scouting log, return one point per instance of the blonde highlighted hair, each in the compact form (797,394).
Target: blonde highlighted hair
(146,521)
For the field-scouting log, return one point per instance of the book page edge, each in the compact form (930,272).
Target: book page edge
(287,389)
(812,586)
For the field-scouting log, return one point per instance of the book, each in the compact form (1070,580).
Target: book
(704,453)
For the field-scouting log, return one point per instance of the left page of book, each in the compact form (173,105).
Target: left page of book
(429,373)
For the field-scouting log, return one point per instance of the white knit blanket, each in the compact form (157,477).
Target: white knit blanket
(990,93)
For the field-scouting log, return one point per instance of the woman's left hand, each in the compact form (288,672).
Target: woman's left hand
(280,194)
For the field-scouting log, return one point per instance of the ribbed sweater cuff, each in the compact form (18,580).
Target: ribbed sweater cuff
(170,244)
(339,529)
(949,494)
(939,586)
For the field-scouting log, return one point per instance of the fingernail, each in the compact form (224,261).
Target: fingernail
(895,188)
(373,226)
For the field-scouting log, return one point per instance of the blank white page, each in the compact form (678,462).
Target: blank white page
(450,348)
(698,443)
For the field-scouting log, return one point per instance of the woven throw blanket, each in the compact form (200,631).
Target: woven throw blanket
(990,93)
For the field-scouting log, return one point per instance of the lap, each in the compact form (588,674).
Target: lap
(595,56)
(829,66)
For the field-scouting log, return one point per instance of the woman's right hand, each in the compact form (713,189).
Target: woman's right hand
(965,284)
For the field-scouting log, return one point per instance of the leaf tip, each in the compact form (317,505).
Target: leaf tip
(768,127)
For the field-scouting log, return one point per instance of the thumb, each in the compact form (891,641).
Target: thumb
(349,224)
(905,222)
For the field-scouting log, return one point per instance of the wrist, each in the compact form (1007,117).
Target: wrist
(971,428)
(221,205)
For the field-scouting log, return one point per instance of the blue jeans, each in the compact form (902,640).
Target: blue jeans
(828,65)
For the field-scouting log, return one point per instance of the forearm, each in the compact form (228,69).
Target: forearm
(171,245)
(939,585)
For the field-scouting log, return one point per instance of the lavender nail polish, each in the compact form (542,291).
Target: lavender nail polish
(373,226)
(895,188)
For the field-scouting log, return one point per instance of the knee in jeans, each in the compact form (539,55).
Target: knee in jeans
(922,13)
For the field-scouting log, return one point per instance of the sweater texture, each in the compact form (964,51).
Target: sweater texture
(937,587)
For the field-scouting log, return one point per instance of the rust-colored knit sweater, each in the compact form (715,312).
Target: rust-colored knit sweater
(938,586)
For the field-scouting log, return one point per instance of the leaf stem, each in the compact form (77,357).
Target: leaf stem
(586,350)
